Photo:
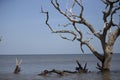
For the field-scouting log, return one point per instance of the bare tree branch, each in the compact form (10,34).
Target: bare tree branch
(67,38)
(65,25)
(47,18)
(81,19)
(76,28)
(105,2)
(82,8)
(90,27)
(98,55)
(81,36)
(65,31)
(58,31)
(56,5)
(108,14)
(114,36)
(70,11)
(112,13)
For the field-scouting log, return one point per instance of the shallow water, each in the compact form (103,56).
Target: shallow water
(87,76)
(34,64)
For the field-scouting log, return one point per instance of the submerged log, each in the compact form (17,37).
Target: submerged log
(61,73)
(45,72)
(17,68)
(70,71)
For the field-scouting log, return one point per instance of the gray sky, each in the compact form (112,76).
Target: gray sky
(23,28)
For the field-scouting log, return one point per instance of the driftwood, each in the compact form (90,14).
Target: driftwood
(17,68)
(45,72)
(78,69)
(59,72)
(81,69)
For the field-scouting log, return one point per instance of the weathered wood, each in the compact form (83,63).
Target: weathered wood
(70,71)
(45,72)
(59,72)
(78,69)
(17,68)
(81,69)
(85,66)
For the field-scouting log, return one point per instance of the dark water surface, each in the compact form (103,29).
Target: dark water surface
(34,64)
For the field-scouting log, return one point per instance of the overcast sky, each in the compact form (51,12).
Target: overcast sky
(23,29)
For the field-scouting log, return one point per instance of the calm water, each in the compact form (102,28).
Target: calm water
(34,64)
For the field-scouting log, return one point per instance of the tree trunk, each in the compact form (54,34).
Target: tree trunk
(106,64)
(108,50)
(107,57)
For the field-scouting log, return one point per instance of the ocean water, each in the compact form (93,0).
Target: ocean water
(35,64)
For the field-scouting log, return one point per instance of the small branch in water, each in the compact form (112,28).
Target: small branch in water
(17,68)
(81,69)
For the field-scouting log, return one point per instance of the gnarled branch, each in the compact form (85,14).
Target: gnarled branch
(113,36)
(98,55)
(58,31)
(109,13)
(56,5)
(73,21)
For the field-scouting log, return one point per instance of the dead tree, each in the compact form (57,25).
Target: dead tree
(17,68)
(107,35)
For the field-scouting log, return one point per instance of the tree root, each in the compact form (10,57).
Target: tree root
(101,68)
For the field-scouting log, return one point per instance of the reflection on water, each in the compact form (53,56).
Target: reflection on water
(106,75)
